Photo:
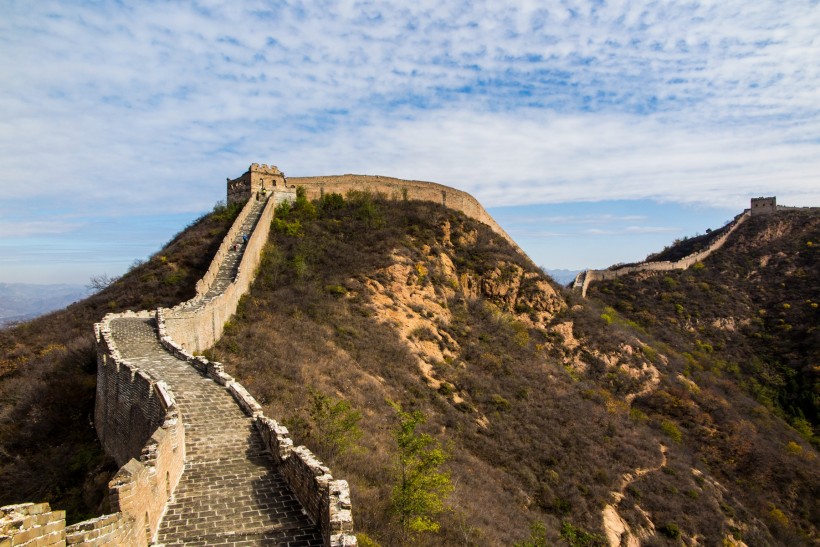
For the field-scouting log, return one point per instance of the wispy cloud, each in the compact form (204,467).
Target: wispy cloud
(35,228)
(109,108)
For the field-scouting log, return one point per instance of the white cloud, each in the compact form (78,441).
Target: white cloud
(140,109)
(34,228)
(507,159)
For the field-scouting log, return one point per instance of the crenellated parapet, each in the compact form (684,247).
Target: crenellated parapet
(140,426)
(394,188)
(325,499)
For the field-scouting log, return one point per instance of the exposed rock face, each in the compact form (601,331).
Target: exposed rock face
(414,295)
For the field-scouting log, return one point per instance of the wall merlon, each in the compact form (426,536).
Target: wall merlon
(165,396)
(245,399)
(343,540)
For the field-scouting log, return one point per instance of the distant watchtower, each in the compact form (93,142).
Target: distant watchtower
(763,206)
(255,179)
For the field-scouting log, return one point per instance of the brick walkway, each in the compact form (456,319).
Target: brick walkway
(231,492)
(230,264)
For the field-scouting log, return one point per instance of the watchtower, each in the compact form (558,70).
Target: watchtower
(255,179)
(763,206)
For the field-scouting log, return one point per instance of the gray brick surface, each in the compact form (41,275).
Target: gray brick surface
(231,492)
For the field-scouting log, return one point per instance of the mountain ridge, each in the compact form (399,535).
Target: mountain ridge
(464,315)
(559,412)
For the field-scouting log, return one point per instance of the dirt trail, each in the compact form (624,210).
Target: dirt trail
(618,532)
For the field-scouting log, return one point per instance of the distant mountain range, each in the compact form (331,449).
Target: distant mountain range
(563,277)
(24,301)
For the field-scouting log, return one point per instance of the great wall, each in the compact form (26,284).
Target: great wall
(759,206)
(200,463)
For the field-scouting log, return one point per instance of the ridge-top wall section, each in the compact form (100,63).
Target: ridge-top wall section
(661,266)
(399,189)
(198,327)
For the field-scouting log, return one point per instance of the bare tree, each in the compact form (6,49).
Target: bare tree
(100,282)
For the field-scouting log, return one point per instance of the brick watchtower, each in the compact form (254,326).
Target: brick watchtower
(763,206)
(256,178)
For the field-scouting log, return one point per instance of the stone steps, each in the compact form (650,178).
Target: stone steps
(231,492)
(230,264)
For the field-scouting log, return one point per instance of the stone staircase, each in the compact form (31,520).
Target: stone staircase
(230,264)
(231,492)
(200,462)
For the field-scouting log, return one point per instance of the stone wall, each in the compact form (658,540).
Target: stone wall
(583,279)
(140,426)
(763,206)
(31,524)
(324,499)
(197,327)
(115,529)
(128,408)
(399,189)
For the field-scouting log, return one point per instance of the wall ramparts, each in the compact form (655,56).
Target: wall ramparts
(140,426)
(31,524)
(114,529)
(207,281)
(395,188)
(325,500)
(257,177)
(197,325)
(585,278)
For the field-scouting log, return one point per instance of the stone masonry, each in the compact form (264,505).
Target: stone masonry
(201,464)
(231,492)
(583,279)
(763,206)
(244,483)
(257,178)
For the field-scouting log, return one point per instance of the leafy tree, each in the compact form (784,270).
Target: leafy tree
(336,423)
(420,489)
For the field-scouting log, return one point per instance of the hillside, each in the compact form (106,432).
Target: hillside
(657,410)
(49,449)
(740,329)
(557,411)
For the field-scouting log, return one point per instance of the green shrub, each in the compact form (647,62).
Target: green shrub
(670,530)
(538,536)
(671,430)
(578,537)
(335,422)
(499,403)
(335,290)
(420,487)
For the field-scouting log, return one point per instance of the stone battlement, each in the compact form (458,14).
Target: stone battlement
(583,279)
(763,206)
(395,188)
(137,417)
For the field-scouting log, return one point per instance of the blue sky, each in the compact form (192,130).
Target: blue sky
(596,132)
